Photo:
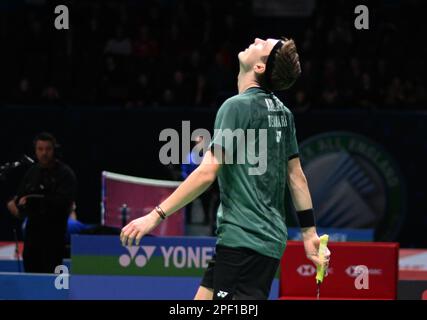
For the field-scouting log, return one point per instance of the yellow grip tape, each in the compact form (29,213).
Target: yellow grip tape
(322,251)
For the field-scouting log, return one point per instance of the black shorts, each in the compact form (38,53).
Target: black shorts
(240,274)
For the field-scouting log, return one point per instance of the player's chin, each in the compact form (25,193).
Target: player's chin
(241,55)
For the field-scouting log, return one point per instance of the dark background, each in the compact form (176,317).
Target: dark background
(128,69)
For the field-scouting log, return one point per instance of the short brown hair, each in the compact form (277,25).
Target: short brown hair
(45,136)
(286,68)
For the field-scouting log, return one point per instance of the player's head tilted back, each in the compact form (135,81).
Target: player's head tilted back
(273,63)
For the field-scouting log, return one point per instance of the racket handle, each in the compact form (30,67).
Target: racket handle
(322,251)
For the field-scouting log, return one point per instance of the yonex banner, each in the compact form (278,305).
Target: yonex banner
(159,268)
(155,256)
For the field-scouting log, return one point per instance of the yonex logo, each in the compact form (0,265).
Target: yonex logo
(134,254)
(222,294)
(306,270)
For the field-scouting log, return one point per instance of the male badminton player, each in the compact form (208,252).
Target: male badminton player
(251,226)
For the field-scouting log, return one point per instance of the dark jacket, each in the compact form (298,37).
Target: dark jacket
(48,211)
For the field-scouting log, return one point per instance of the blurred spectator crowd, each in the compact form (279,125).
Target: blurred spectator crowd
(184,53)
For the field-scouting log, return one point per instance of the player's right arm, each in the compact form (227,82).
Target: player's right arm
(192,187)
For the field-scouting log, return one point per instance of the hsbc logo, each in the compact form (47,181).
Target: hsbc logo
(306,270)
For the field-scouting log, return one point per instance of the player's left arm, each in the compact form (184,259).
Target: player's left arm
(301,199)
(192,187)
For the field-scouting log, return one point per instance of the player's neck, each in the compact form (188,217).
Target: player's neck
(245,80)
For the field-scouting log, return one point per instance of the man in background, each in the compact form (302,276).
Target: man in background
(45,197)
